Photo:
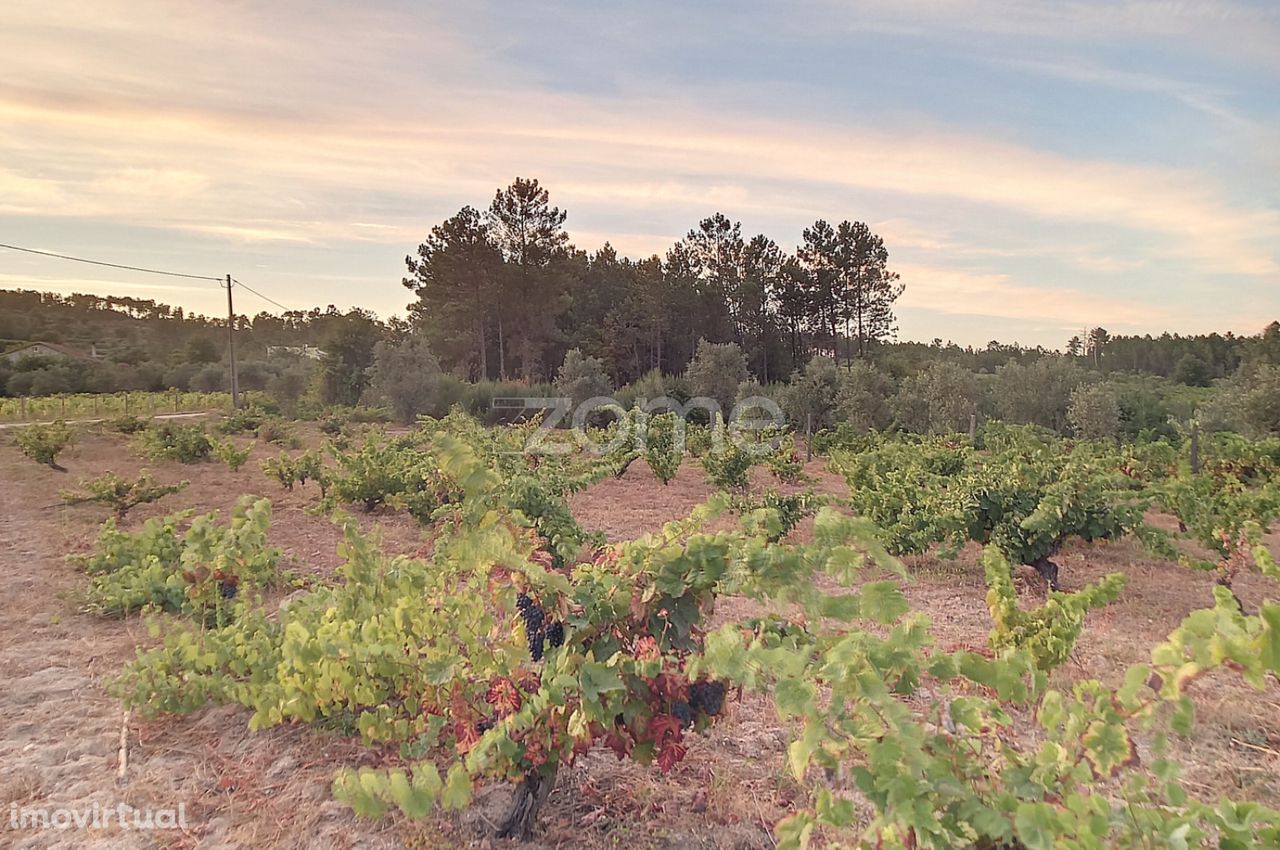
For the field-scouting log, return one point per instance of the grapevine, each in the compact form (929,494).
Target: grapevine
(521,642)
(121,494)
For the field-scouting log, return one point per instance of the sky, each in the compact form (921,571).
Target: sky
(1034,166)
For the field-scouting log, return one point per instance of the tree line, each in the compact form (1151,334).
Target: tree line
(502,293)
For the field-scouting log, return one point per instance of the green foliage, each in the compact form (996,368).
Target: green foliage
(811,399)
(729,466)
(582,377)
(1047,634)
(43,443)
(200,573)
(389,472)
(937,400)
(297,470)
(716,371)
(1028,494)
(663,450)
(1037,393)
(438,659)
(774,515)
(278,431)
(126,423)
(227,452)
(1094,412)
(845,436)
(784,461)
(169,440)
(122,494)
(348,355)
(862,400)
(1216,509)
(408,377)
(243,419)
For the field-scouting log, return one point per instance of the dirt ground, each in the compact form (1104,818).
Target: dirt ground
(60,733)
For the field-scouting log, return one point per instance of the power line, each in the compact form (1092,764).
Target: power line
(260,295)
(110,265)
(220,280)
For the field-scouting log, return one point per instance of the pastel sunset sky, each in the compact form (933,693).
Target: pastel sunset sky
(1034,167)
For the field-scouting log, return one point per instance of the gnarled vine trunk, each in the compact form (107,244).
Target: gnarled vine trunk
(1049,570)
(525,805)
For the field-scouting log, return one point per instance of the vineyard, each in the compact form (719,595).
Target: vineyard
(690,638)
(95,405)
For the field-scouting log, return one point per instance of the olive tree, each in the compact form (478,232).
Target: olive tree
(939,399)
(716,371)
(1094,412)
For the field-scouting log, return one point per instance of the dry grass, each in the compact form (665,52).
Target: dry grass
(271,789)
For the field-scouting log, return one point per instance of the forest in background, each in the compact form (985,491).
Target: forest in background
(503,304)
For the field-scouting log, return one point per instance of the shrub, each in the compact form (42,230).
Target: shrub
(581,377)
(126,423)
(173,441)
(862,399)
(43,443)
(810,400)
(332,425)
(654,385)
(661,449)
(716,371)
(1049,633)
(120,493)
(1037,393)
(246,418)
(1094,412)
(407,376)
(729,466)
(1248,402)
(775,515)
(234,458)
(279,432)
(209,379)
(296,470)
(199,573)
(784,461)
(937,400)
(382,472)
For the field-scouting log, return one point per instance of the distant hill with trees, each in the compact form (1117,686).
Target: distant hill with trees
(504,304)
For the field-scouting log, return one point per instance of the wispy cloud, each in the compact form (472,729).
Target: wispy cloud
(1221,28)
(948,290)
(286,129)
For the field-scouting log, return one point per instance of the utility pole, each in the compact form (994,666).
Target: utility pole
(231,348)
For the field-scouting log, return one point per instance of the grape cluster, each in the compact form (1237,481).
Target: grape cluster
(682,712)
(534,621)
(484,725)
(226,589)
(707,697)
(555,634)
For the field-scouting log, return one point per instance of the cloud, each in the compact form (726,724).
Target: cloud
(1221,29)
(287,128)
(299,180)
(948,290)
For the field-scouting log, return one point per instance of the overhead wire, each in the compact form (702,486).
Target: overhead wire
(220,280)
(240,284)
(107,264)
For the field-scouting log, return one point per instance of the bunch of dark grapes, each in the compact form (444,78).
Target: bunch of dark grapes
(484,725)
(555,634)
(534,620)
(707,697)
(682,712)
(227,589)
